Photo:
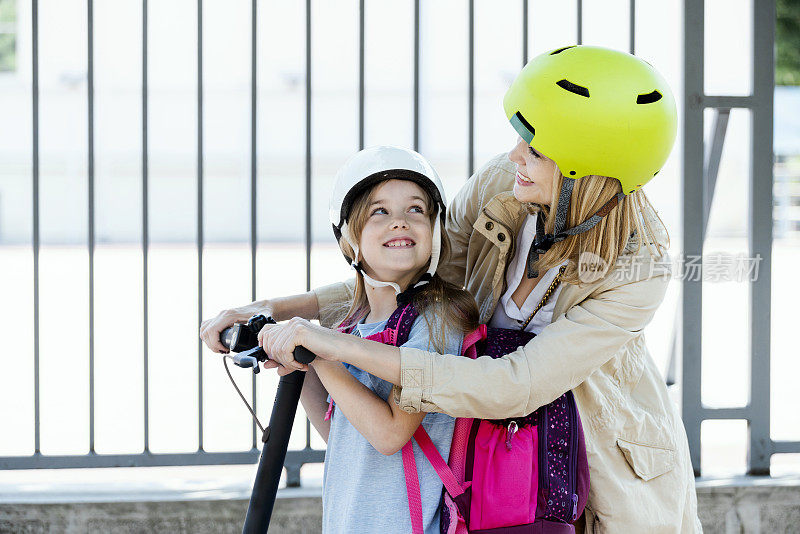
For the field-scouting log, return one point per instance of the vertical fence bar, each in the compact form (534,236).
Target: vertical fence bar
(471,92)
(200,218)
(361,38)
(760,232)
(35,169)
(693,223)
(90,192)
(253,177)
(416,74)
(308,145)
(145,231)
(524,32)
(632,30)
(580,21)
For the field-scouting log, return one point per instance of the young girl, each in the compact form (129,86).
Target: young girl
(386,209)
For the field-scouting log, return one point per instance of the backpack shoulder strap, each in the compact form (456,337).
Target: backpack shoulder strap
(468,347)
(449,481)
(398,326)
(401,322)
(412,488)
(437,462)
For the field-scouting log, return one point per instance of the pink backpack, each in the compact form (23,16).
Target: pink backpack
(511,476)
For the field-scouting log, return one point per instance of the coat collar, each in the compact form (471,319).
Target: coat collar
(505,209)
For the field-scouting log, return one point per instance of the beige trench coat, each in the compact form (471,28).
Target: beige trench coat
(641,474)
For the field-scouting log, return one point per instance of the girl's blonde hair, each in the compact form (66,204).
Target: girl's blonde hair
(455,308)
(634,217)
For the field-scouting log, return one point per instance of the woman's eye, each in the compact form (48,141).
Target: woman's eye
(532,152)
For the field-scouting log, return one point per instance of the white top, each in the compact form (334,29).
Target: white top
(507,314)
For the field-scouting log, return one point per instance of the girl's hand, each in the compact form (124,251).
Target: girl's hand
(280,340)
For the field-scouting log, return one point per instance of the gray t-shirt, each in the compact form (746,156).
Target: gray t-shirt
(364,491)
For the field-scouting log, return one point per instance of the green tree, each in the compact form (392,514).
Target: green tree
(787,41)
(8,38)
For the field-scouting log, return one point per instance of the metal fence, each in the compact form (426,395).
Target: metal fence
(700,164)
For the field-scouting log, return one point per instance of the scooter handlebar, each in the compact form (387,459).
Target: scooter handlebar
(238,339)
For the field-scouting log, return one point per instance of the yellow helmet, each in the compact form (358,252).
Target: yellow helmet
(594,110)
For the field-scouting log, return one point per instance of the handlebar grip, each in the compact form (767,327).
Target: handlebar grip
(225,337)
(303,355)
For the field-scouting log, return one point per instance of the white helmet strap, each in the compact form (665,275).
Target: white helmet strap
(356,265)
(436,249)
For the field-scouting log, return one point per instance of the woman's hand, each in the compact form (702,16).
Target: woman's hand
(210,329)
(280,340)
(303,304)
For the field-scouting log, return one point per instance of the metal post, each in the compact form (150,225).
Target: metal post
(308,145)
(145,230)
(200,218)
(632,30)
(712,158)
(90,202)
(760,232)
(524,32)
(253,178)
(36,244)
(693,224)
(471,93)
(416,74)
(361,74)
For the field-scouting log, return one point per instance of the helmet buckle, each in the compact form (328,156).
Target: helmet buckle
(543,242)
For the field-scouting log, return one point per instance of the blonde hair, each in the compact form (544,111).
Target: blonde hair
(634,217)
(455,307)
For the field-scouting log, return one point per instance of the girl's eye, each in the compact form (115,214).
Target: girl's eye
(379,211)
(418,209)
(532,151)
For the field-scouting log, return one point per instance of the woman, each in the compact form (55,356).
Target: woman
(584,114)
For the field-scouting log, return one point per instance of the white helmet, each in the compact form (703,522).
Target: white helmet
(371,166)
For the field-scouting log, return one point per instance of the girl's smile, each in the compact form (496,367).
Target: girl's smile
(400,242)
(396,240)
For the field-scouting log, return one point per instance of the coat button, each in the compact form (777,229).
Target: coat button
(501,237)
(489,225)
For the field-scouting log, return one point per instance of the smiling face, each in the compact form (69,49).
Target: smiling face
(395,242)
(535,173)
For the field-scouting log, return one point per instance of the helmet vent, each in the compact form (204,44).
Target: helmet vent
(649,98)
(554,52)
(575,88)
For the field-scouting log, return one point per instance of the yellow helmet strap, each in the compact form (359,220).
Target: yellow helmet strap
(543,241)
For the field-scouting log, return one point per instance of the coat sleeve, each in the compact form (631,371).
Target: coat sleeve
(567,352)
(333,301)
